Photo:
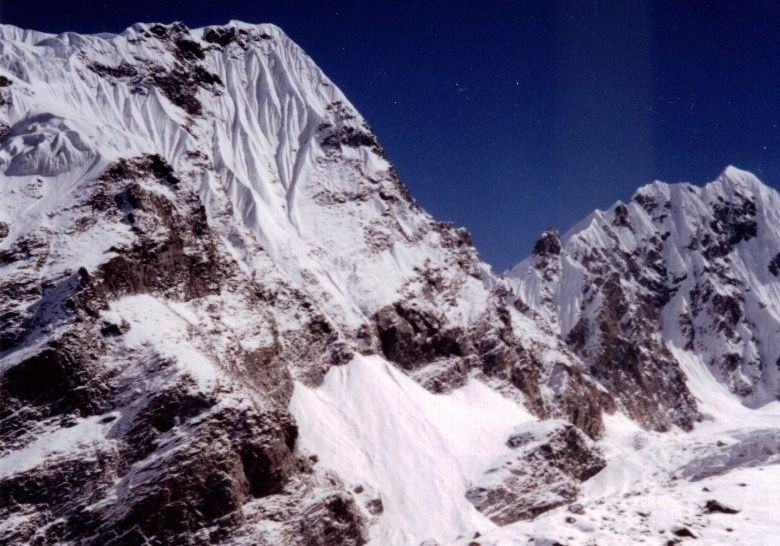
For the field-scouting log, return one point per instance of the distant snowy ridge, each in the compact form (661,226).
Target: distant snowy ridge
(678,267)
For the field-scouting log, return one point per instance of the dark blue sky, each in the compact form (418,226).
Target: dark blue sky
(508,117)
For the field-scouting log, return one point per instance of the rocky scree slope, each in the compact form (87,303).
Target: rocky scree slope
(679,270)
(191,223)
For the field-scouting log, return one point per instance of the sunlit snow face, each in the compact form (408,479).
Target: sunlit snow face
(44,145)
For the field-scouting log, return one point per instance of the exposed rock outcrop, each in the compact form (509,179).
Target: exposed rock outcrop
(543,470)
(174,459)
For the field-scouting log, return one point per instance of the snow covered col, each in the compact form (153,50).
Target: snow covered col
(225,320)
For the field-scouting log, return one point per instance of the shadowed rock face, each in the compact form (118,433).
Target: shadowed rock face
(620,341)
(774,265)
(542,470)
(413,338)
(549,244)
(419,340)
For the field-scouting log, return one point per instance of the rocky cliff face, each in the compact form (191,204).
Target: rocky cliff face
(191,223)
(678,269)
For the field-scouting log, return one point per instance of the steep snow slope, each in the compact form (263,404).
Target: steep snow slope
(191,223)
(427,462)
(678,268)
(287,171)
(415,450)
(420,460)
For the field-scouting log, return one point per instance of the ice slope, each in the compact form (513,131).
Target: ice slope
(261,129)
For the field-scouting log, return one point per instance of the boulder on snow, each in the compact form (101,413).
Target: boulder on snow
(714,507)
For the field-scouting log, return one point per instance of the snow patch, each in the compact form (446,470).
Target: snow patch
(85,434)
(156,324)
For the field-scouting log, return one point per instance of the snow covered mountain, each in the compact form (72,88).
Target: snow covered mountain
(677,269)
(196,226)
(224,320)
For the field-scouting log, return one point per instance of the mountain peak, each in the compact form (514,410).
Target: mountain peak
(697,264)
(549,243)
(734,179)
(656,188)
(731,178)
(734,172)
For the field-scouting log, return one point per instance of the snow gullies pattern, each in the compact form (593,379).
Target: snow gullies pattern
(679,267)
(194,225)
